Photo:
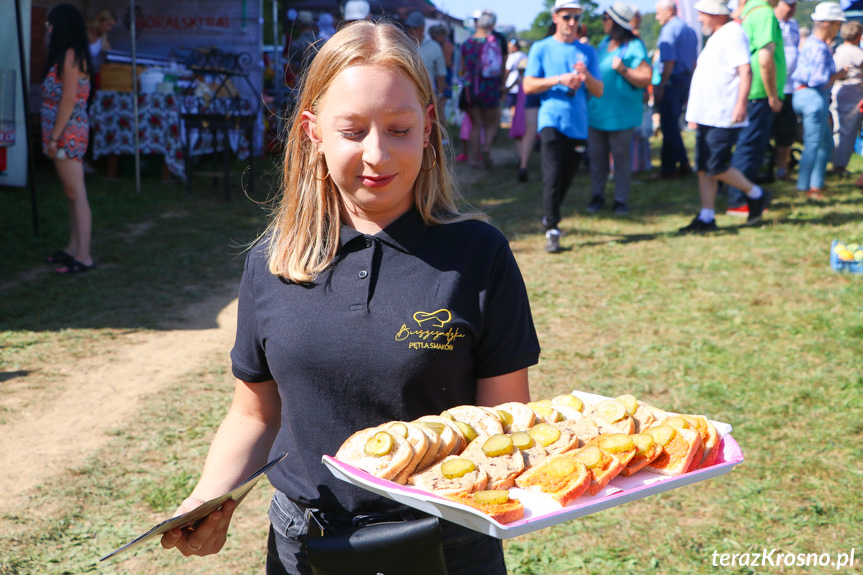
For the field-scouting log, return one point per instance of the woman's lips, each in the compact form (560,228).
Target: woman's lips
(377,181)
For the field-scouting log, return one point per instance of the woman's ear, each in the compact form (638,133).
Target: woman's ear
(428,122)
(310,125)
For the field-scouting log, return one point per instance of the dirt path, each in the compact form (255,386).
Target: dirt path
(101,392)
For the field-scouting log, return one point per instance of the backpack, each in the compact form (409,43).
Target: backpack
(491,57)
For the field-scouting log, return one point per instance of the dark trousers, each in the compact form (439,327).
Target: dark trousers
(670,107)
(561,157)
(751,146)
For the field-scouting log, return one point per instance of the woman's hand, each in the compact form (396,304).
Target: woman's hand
(52,148)
(208,537)
(617,64)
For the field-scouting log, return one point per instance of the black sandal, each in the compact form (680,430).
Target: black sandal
(60,257)
(75,267)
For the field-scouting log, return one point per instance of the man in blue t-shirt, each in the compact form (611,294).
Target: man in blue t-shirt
(562,71)
(678,50)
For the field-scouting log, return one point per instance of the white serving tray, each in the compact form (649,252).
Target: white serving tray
(541,511)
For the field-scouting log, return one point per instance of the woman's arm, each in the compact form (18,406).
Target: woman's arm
(70,73)
(639,76)
(241,446)
(491,391)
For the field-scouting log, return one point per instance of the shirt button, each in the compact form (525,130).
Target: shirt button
(363,274)
(368,242)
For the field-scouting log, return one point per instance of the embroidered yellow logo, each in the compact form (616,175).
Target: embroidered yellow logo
(430,338)
(440,317)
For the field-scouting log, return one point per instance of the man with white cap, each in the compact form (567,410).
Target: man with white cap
(717,105)
(765,96)
(562,71)
(815,74)
(785,121)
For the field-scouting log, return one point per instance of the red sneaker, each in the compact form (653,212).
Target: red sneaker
(461,158)
(738,212)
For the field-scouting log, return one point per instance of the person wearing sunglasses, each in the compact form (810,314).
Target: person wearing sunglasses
(563,72)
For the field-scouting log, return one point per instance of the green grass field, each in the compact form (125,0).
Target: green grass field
(748,326)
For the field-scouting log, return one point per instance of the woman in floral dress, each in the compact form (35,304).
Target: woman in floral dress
(65,128)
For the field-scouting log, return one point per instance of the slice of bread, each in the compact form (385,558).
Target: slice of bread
(657,413)
(640,461)
(533,455)
(711,443)
(643,417)
(433,481)
(502,469)
(452,439)
(431,454)
(613,413)
(623,456)
(584,429)
(386,466)
(687,422)
(523,417)
(677,456)
(607,469)
(483,422)
(418,440)
(567,441)
(561,476)
(512,510)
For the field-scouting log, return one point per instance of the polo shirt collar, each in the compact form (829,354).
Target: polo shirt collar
(404,234)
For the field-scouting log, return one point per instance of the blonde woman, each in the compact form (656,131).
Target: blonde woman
(97,33)
(367,260)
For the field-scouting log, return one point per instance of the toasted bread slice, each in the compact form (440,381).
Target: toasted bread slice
(687,422)
(657,413)
(623,453)
(418,440)
(711,443)
(502,469)
(584,429)
(561,476)
(385,466)
(643,417)
(452,439)
(677,454)
(605,468)
(512,510)
(523,417)
(642,458)
(483,422)
(433,480)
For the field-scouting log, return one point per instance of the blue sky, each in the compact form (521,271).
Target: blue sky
(519,13)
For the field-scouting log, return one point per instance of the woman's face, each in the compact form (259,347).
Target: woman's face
(372,128)
(606,24)
(106,26)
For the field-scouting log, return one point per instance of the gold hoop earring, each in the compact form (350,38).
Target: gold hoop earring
(434,163)
(319,161)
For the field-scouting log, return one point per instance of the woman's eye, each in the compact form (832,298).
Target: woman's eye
(350,135)
(402,132)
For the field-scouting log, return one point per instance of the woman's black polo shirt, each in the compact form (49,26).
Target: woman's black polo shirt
(401,326)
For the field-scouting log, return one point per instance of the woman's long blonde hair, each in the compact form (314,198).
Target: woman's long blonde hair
(303,233)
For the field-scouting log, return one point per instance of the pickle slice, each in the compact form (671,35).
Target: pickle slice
(455,468)
(610,410)
(399,428)
(467,429)
(497,445)
(544,433)
(663,434)
(448,415)
(616,443)
(629,403)
(491,496)
(570,401)
(678,422)
(435,426)
(561,467)
(505,417)
(523,440)
(692,421)
(643,443)
(591,456)
(545,410)
(379,444)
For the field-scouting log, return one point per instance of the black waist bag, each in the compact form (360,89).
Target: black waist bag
(395,548)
